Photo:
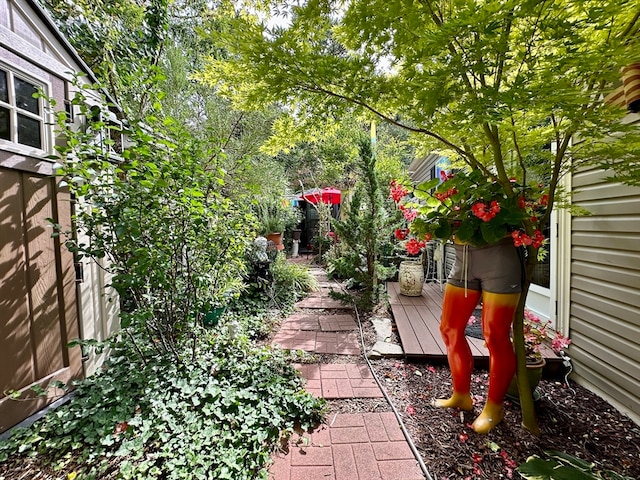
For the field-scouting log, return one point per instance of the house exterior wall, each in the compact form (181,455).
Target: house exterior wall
(604,289)
(43,306)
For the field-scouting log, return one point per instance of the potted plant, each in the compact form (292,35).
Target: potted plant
(537,332)
(272,218)
(411,267)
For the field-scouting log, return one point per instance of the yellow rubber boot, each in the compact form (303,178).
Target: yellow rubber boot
(457,400)
(491,415)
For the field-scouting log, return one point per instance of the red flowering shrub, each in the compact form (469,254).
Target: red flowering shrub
(401,233)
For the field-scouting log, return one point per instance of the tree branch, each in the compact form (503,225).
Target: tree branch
(386,118)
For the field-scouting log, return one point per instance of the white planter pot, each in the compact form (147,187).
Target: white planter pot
(411,278)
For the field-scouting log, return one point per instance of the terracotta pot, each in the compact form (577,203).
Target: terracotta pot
(297,234)
(276,238)
(411,278)
(534,373)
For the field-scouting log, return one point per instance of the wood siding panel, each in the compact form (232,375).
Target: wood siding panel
(586,333)
(589,181)
(42,276)
(15,345)
(621,223)
(608,290)
(67,293)
(37,295)
(619,241)
(22,27)
(605,289)
(606,306)
(604,322)
(623,379)
(609,257)
(588,368)
(624,206)
(4,14)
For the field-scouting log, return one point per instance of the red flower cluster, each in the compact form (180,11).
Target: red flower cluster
(521,238)
(413,246)
(442,196)
(410,214)
(543,202)
(398,191)
(401,233)
(484,211)
(444,176)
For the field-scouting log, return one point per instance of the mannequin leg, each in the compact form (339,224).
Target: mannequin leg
(497,317)
(456,310)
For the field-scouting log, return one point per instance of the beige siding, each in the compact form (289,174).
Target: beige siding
(605,289)
(99,310)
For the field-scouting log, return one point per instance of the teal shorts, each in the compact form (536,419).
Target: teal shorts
(494,268)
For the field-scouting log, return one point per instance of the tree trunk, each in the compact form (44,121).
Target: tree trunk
(529,420)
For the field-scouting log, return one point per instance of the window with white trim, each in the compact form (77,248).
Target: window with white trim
(21,115)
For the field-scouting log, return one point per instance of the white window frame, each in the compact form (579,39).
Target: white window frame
(43,118)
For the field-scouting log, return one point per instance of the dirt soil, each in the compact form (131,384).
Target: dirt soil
(571,419)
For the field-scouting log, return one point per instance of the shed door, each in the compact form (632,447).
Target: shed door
(38,312)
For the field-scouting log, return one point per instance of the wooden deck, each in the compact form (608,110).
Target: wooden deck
(418,323)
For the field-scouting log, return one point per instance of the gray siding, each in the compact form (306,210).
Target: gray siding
(605,289)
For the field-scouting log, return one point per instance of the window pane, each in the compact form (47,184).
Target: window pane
(4,93)
(24,96)
(29,131)
(5,124)
(542,271)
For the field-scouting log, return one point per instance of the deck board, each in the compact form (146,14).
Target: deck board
(418,323)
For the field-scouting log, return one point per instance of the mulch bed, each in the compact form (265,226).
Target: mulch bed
(571,419)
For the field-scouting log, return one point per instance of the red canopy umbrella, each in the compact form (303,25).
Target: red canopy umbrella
(326,195)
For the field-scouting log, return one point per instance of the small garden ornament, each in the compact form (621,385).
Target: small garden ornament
(487,228)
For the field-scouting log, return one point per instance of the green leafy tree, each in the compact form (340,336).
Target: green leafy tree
(174,243)
(121,41)
(327,154)
(489,83)
(145,51)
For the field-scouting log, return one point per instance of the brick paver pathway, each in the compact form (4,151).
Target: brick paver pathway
(322,302)
(366,446)
(340,343)
(315,321)
(356,446)
(340,380)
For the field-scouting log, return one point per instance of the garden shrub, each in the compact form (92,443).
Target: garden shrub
(158,214)
(217,417)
